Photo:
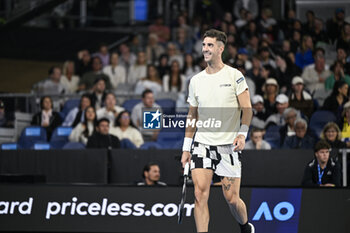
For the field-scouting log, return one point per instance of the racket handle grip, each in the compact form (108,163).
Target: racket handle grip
(186,169)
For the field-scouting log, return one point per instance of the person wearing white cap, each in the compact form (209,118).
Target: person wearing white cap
(277,118)
(301,99)
(259,112)
(271,90)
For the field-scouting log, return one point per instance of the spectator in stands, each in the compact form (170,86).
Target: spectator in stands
(295,42)
(309,25)
(163,65)
(103,54)
(265,59)
(322,171)
(151,82)
(98,95)
(285,71)
(230,56)
(136,114)
(138,70)
(341,56)
(243,55)
(190,68)
(287,130)
(301,140)
(304,57)
(184,27)
(250,5)
(183,43)
(115,72)
(161,30)
(153,49)
(253,45)
(259,113)
(83,64)
(256,141)
(337,74)
(3,120)
(83,130)
(174,54)
(335,24)
(270,90)
(69,80)
(337,99)
(52,85)
(332,135)
(315,75)
(125,129)
(127,58)
(101,138)
(318,34)
(301,99)
(151,176)
(254,73)
(278,118)
(175,81)
(111,110)
(344,123)
(47,118)
(88,80)
(344,40)
(135,44)
(266,22)
(76,115)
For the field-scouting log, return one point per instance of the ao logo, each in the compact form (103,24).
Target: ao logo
(265,210)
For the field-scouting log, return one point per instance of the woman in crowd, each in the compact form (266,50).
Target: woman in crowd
(337,99)
(126,130)
(175,81)
(76,115)
(47,118)
(337,74)
(190,68)
(69,79)
(139,69)
(331,133)
(152,81)
(84,129)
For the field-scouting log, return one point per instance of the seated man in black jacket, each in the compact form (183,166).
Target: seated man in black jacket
(101,138)
(322,170)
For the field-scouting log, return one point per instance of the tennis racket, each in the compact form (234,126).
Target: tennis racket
(180,212)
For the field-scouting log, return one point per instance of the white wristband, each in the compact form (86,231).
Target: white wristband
(187,144)
(244,130)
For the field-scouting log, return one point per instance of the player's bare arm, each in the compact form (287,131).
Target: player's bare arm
(186,156)
(244,102)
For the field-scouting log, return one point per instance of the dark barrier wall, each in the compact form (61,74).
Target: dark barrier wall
(260,168)
(48,208)
(58,166)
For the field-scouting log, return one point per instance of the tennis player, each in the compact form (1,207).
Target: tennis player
(224,90)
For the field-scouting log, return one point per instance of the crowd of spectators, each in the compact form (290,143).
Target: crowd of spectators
(292,68)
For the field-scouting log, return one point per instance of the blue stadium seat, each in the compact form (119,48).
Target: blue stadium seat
(30,135)
(168,138)
(73,146)
(319,119)
(69,105)
(272,136)
(60,137)
(41,146)
(9,146)
(127,144)
(150,145)
(130,104)
(168,106)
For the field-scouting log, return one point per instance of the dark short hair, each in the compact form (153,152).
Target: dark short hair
(145,92)
(42,101)
(147,167)
(218,35)
(319,49)
(254,130)
(52,68)
(322,144)
(102,120)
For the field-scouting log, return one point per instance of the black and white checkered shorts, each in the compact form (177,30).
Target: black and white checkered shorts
(223,160)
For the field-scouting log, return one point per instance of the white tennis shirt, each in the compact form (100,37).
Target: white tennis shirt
(216,96)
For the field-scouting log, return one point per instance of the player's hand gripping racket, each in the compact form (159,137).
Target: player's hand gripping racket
(180,212)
